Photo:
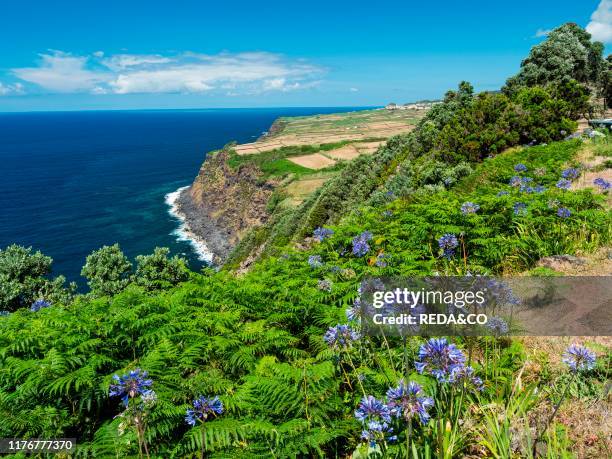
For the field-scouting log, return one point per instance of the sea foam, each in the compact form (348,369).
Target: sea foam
(183,233)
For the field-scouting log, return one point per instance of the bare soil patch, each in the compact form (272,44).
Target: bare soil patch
(347,152)
(313,161)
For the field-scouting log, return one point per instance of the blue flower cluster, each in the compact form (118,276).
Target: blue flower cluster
(497,325)
(579,358)
(466,379)
(469,208)
(520,167)
(564,212)
(519,208)
(39,304)
(448,243)
(314,261)
(602,183)
(380,260)
(440,359)
(360,244)
(340,336)
(407,401)
(130,385)
(571,173)
(320,234)
(564,184)
(375,417)
(203,408)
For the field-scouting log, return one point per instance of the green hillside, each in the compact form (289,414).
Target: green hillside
(487,183)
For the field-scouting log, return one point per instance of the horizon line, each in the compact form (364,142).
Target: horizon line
(188,109)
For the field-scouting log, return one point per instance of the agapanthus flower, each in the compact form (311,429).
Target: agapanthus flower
(502,193)
(519,208)
(380,260)
(340,336)
(520,167)
(39,304)
(564,184)
(497,325)
(360,247)
(571,173)
(4,313)
(602,183)
(516,180)
(448,243)
(500,293)
(387,213)
(370,285)
(408,400)
(148,398)
(440,359)
(130,385)
(370,407)
(469,208)
(579,358)
(564,212)
(539,189)
(354,312)
(465,378)
(376,431)
(320,234)
(315,261)
(360,244)
(203,408)
(324,285)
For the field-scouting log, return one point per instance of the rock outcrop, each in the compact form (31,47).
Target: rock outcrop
(223,203)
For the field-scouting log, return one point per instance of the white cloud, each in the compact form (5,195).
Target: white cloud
(600,26)
(251,72)
(353,89)
(123,61)
(542,33)
(11,89)
(62,72)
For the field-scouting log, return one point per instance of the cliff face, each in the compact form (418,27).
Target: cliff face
(223,203)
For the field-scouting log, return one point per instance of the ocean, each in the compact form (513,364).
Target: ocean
(72,182)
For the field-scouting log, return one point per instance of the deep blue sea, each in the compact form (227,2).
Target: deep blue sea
(71,182)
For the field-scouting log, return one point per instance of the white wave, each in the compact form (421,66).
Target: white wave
(183,232)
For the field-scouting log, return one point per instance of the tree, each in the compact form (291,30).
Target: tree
(157,271)
(606,82)
(567,54)
(23,281)
(107,271)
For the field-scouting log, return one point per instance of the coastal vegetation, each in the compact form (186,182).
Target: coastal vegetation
(159,361)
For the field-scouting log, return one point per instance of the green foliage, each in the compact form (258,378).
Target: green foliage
(567,54)
(23,279)
(256,340)
(107,270)
(157,271)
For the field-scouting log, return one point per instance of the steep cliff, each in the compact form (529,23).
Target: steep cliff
(223,203)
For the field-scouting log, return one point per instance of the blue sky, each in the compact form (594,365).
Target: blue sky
(70,55)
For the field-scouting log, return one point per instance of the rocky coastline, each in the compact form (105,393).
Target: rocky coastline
(222,204)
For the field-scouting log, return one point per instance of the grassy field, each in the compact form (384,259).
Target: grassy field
(333,128)
(303,149)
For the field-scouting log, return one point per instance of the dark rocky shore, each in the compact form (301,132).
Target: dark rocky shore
(223,204)
(202,227)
